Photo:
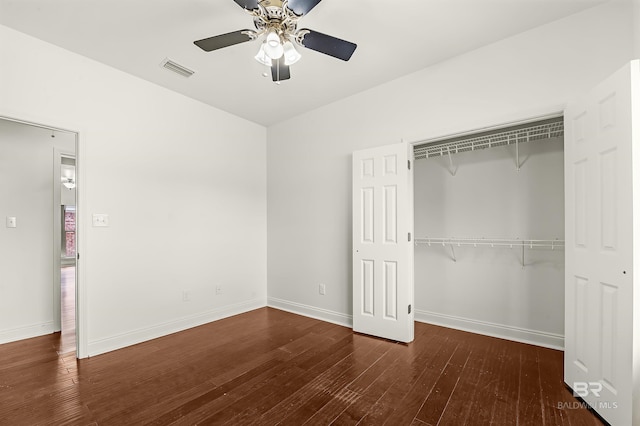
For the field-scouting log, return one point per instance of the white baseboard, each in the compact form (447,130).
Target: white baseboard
(534,337)
(517,334)
(311,311)
(523,335)
(26,332)
(109,344)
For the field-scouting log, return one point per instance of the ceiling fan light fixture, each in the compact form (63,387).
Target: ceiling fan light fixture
(291,55)
(273,39)
(273,46)
(274,52)
(262,56)
(68,183)
(276,25)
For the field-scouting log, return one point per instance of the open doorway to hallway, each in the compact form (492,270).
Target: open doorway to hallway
(37,244)
(67,255)
(67,227)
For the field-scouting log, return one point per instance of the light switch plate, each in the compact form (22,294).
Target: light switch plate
(11,222)
(100,219)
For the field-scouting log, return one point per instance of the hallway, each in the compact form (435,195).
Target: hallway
(67,341)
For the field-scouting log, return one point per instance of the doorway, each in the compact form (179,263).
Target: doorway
(38,248)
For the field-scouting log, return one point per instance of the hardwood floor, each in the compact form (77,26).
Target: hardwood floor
(271,367)
(68,309)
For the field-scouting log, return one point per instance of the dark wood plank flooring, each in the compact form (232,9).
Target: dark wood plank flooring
(270,367)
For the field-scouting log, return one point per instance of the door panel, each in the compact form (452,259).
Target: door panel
(366,304)
(599,246)
(390,214)
(382,251)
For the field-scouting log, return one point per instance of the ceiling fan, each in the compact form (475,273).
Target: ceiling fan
(277,21)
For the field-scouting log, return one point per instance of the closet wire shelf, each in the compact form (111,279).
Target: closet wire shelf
(511,243)
(546,130)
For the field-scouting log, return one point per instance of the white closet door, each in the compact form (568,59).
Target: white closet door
(598,362)
(382,242)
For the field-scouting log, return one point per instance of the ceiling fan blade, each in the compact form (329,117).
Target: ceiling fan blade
(247,4)
(280,71)
(302,7)
(223,40)
(328,45)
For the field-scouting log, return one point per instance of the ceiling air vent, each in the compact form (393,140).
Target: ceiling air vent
(177,68)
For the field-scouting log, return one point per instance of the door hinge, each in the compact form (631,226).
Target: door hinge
(78,256)
(409,164)
(409,309)
(409,236)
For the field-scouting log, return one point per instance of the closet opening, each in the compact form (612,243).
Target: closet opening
(489,232)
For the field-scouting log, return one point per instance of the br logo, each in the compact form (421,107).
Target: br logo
(583,389)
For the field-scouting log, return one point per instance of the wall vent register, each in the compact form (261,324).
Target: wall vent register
(176,68)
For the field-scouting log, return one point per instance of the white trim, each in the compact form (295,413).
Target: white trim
(517,334)
(35,124)
(82,287)
(120,341)
(311,312)
(57,240)
(26,332)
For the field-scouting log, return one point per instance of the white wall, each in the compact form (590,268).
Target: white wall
(309,156)
(486,288)
(636,28)
(26,252)
(183,184)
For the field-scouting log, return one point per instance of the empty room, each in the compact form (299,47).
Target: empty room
(419,212)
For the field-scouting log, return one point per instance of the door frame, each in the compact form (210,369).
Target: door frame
(495,123)
(81,292)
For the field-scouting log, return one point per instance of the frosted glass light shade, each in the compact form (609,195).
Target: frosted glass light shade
(274,52)
(273,39)
(262,56)
(273,47)
(291,55)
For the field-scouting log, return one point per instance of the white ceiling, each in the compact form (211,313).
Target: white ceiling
(394,38)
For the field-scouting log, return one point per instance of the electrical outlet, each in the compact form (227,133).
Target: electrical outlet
(322,289)
(186,296)
(100,220)
(218,289)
